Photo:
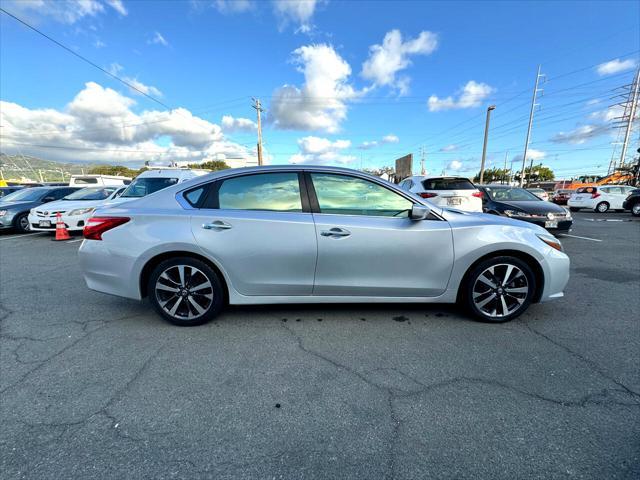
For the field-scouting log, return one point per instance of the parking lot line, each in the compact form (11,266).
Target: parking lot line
(576,236)
(22,235)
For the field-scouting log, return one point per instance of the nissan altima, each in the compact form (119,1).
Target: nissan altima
(303,234)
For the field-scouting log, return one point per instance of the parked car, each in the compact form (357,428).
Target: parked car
(14,208)
(75,209)
(540,193)
(521,204)
(599,198)
(632,202)
(4,191)
(96,180)
(455,192)
(560,197)
(151,181)
(296,234)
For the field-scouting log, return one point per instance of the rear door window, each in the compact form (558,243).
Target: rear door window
(448,184)
(278,192)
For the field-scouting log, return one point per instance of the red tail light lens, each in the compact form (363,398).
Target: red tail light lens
(96,226)
(428,195)
(595,195)
(477,194)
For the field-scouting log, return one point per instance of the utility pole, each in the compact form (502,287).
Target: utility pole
(422,169)
(504,172)
(635,89)
(526,143)
(258,107)
(484,146)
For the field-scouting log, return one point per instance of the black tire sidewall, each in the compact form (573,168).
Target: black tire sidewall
(218,291)
(634,206)
(481,267)
(17,225)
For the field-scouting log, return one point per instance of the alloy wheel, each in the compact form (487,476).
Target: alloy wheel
(602,207)
(636,209)
(23,223)
(500,290)
(184,292)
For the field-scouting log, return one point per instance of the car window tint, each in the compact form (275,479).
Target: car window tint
(341,194)
(195,196)
(266,191)
(447,184)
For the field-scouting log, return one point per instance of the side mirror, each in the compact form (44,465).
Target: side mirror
(419,212)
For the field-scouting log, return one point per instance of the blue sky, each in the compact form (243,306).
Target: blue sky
(356,83)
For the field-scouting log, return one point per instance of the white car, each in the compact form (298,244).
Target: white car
(96,180)
(154,180)
(75,209)
(540,193)
(599,198)
(454,192)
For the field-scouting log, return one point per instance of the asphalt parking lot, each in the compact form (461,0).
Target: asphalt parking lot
(95,386)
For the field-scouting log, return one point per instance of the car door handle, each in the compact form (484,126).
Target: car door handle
(335,232)
(217,225)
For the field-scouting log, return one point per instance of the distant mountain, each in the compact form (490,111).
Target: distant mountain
(24,167)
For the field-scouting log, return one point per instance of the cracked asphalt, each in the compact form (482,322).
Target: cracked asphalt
(94,386)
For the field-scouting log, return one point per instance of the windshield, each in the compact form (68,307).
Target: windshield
(144,186)
(510,194)
(90,194)
(26,195)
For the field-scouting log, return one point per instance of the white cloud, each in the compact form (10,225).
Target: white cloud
(615,66)
(322,151)
(320,104)
(386,60)
(141,87)
(158,39)
(471,95)
(99,125)
(580,134)
(608,114)
(99,43)
(63,11)
(454,165)
(232,6)
(374,143)
(118,6)
(449,148)
(532,154)
(298,12)
(234,124)
(115,68)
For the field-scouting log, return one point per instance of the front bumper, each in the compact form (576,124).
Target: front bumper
(75,223)
(563,225)
(6,221)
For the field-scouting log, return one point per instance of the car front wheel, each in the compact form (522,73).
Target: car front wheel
(22,223)
(186,291)
(499,289)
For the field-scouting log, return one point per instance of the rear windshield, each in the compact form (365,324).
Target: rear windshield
(587,190)
(447,184)
(144,186)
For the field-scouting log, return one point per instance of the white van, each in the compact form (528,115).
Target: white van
(92,180)
(151,181)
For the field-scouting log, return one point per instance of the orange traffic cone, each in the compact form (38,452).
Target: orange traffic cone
(61,230)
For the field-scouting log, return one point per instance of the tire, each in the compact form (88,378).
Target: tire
(21,223)
(574,209)
(177,299)
(602,207)
(484,302)
(635,209)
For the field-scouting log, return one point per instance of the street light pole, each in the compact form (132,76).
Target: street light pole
(484,147)
(526,142)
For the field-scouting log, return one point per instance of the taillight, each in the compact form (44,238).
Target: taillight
(595,195)
(96,226)
(477,194)
(428,195)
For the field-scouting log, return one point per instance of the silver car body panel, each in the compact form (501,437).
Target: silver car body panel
(281,257)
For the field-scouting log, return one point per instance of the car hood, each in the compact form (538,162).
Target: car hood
(460,218)
(534,206)
(18,205)
(68,205)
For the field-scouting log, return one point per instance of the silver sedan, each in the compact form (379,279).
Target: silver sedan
(298,234)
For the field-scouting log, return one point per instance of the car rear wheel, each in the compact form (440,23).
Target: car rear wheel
(499,289)
(635,209)
(602,207)
(22,223)
(186,291)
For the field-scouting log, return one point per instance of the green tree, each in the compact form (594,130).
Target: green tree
(213,165)
(537,173)
(492,175)
(114,170)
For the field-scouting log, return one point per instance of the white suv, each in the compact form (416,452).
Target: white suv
(454,192)
(599,198)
